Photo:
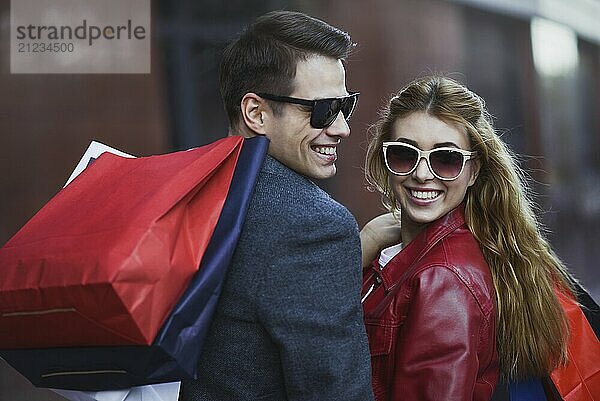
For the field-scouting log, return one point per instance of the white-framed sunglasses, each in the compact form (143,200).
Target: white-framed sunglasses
(445,163)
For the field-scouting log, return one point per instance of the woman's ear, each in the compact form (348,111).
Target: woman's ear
(254,109)
(475,166)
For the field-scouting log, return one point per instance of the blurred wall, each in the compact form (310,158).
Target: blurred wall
(47,122)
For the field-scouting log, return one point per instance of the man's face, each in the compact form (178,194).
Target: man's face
(294,142)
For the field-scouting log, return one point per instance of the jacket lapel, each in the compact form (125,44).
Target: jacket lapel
(407,260)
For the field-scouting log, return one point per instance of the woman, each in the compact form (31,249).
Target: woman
(469,292)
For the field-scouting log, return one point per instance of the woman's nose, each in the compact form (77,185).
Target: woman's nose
(422,173)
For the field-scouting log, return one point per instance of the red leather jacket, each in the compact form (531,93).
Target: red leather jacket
(431,318)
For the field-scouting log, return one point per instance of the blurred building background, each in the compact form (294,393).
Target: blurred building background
(536,62)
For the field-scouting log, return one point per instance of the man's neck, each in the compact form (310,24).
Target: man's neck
(241,130)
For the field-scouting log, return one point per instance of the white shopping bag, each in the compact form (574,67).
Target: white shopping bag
(94,150)
(153,392)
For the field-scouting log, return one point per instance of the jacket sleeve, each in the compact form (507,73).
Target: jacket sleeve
(437,351)
(309,304)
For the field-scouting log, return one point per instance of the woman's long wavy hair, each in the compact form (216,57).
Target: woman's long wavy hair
(532,330)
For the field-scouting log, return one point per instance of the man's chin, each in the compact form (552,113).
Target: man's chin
(323,172)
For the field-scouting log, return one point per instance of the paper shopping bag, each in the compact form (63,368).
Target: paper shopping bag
(105,261)
(174,353)
(156,392)
(579,379)
(530,389)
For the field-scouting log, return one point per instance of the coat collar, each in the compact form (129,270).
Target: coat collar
(274,166)
(420,245)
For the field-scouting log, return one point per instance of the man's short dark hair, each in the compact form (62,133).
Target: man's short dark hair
(265,55)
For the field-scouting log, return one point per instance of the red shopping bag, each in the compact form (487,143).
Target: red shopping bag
(579,379)
(105,261)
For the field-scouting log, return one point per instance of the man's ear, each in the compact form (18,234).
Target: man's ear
(254,111)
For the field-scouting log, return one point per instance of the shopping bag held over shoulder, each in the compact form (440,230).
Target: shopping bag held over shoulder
(579,379)
(105,261)
(173,352)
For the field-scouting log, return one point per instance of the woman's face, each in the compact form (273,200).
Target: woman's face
(424,198)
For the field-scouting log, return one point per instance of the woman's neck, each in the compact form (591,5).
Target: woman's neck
(410,229)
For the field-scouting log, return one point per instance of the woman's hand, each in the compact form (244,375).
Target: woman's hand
(377,234)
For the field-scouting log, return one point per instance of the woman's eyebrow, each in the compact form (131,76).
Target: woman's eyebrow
(437,145)
(446,144)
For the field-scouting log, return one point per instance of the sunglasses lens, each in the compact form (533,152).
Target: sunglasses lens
(446,163)
(324,112)
(401,159)
(348,105)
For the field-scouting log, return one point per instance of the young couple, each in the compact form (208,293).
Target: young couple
(464,294)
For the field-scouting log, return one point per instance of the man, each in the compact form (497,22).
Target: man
(289,321)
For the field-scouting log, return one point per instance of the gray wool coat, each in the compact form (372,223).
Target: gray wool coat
(289,325)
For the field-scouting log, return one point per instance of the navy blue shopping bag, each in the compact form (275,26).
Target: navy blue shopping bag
(174,352)
(530,389)
(527,390)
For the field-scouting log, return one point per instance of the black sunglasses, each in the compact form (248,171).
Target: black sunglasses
(444,163)
(323,111)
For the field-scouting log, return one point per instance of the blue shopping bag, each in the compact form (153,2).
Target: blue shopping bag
(527,390)
(174,353)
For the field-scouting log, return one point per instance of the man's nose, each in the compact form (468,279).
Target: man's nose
(339,127)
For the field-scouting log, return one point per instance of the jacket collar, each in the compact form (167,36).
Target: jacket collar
(420,245)
(274,166)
